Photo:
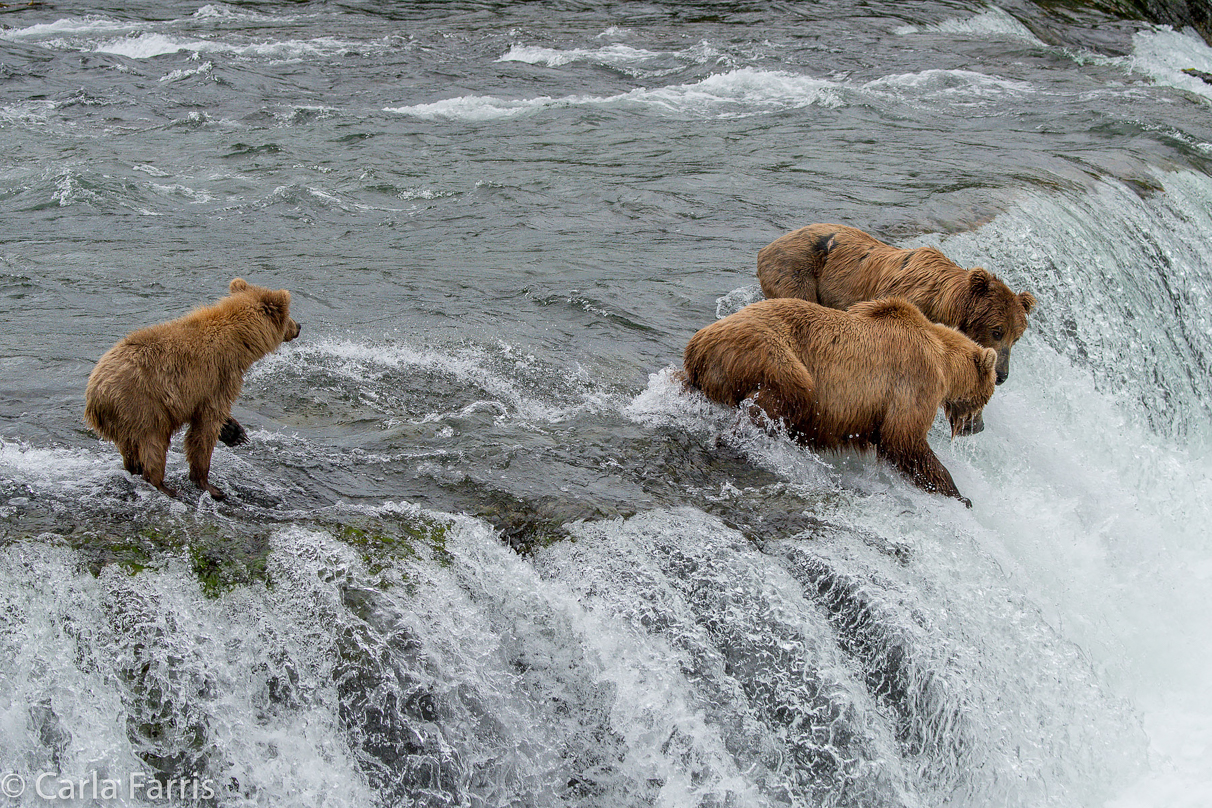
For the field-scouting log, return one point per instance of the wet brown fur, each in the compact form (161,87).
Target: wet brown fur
(187,371)
(838,266)
(870,377)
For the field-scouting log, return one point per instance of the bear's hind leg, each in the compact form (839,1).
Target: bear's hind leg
(131,458)
(152,459)
(789,400)
(770,405)
(199,445)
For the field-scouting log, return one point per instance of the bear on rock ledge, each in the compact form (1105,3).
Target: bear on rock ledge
(187,371)
(870,377)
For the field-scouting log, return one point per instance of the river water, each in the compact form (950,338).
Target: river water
(482,549)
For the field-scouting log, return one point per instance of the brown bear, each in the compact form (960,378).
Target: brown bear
(837,266)
(872,376)
(187,371)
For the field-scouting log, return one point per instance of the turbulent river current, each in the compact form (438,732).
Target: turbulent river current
(483,549)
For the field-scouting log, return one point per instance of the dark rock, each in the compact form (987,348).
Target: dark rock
(1199,74)
(1178,14)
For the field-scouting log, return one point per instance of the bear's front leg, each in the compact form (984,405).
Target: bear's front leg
(200,442)
(918,462)
(233,433)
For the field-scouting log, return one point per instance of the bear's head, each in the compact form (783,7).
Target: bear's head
(273,304)
(995,316)
(971,377)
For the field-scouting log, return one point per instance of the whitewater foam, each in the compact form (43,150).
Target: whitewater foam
(738,93)
(1164,54)
(204,69)
(961,88)
(665,402)
(553,57)
(150,45)
(147,46)
(992,24)
(624,58)
(226,13)
(44,468)
(27,112)
(90,24)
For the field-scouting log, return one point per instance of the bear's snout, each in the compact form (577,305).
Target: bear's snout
(964,420)
(292,331)
(1002,367)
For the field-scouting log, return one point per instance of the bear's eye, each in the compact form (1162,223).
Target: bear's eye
(997,333)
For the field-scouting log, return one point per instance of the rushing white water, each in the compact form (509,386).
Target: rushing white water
(1113,454)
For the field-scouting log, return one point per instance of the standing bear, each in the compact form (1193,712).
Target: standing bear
(187,371)
(872,376)
(837,266)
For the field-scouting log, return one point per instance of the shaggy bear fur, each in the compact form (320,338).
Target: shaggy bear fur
(187,371)
(873,376)
(837,266)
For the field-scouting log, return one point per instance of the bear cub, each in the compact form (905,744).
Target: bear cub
(870,377)
(186,371)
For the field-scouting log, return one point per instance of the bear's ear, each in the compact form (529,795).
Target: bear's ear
(1028,301)
(986,361)
(979,279)
(237,285)
(276,305)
